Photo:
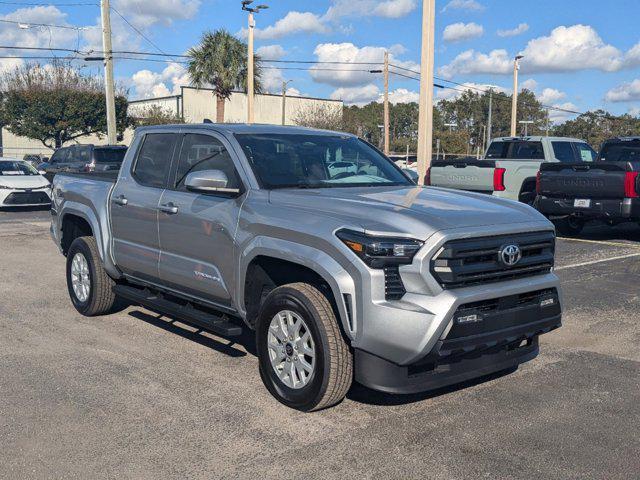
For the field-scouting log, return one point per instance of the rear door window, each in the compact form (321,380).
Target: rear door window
(81,154)
(563,151)
(497,150)
(154,159)
(109,155)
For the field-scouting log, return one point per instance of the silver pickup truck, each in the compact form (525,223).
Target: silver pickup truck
(343,273)
(510,166)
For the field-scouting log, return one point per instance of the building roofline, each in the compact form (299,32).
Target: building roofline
(166,97)
(266,94)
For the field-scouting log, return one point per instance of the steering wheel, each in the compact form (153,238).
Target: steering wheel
(344,175)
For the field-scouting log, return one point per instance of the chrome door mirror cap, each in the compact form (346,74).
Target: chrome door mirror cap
(209,181)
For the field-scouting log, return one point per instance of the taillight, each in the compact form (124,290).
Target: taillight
(89,167)
(498,180)
(630,180)
(427,177)
(538,187)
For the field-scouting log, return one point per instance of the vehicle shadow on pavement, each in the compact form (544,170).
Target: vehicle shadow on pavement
(362,394)
(600,232)
(201,336)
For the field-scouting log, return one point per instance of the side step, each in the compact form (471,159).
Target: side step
(157,302)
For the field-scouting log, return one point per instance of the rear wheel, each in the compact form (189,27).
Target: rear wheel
(304,361)
(90,288)
(569,226)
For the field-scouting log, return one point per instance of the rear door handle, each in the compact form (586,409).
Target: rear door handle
(169,208)
(120,200)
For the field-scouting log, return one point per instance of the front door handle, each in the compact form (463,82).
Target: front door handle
(120,200)
(169,208)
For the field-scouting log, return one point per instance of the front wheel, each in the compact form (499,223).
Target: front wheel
(305,362)
(90,288)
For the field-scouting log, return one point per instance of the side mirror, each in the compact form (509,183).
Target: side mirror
(209,181)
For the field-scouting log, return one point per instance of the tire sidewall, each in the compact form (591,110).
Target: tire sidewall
(307,397)
(80,246)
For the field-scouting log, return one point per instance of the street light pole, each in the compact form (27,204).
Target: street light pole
(425,119)
(284,99)
(386,103)
(112,137)
(514,98)
(250,59)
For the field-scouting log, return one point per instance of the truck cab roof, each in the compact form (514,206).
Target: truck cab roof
(537,138)
(245,128)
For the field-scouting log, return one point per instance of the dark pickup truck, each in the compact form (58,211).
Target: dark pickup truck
(607,190)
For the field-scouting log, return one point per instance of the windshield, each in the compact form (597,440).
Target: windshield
(621,152)
(16,168)
(323,161)
(109,155)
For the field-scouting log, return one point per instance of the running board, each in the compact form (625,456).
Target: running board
(157,302)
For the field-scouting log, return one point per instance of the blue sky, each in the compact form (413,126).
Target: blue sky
(579,55)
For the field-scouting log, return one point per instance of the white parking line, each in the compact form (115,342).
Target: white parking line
(600,242)
(593,262)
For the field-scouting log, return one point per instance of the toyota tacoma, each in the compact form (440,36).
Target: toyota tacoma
(350,273)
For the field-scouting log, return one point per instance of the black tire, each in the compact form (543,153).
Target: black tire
(101,299)
(333,373)
(569,226)
(528,197)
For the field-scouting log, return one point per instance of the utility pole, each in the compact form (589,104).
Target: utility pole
(386,103)
(489,120)
(514,98)
(425,120)
(250,79)
(105,10)
(284,100)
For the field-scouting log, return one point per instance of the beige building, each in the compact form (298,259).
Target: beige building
(193,105)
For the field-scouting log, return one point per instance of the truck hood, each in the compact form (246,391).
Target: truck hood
(416,211)
(23,181)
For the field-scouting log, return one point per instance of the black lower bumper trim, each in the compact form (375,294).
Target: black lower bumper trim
(379,374)
(605,209)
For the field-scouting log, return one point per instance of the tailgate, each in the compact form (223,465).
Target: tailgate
(583,180)
(463,174)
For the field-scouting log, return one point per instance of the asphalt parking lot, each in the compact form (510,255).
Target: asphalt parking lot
(135,395)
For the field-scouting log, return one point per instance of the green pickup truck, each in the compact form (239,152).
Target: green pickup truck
(510,166)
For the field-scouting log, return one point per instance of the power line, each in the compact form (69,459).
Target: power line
(31,24)
(50,4)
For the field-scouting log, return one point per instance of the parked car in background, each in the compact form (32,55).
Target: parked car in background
(510,166)
(607,190)
(84,158)
(356,274)
(21,185)
(35,160)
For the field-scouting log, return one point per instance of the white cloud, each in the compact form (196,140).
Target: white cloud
(457,32)
(472,62)
(357,95)
(150,84)
(272,80)
(345,75)
(529,84)
(551,95)
(557,116)
(144,13)
(9,64)
(634,112)
(402,95)
(394,8)
(292,22)
(565,49)
(627,92)
(520,29)
(271,52)
(632,57)
(578,47)
(469,5)
(34,36)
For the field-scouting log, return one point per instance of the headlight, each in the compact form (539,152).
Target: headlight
(379,252)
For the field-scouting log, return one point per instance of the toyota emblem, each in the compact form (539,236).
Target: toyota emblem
(510,255)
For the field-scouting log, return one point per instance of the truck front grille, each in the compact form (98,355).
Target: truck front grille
(26,198)
(476,261)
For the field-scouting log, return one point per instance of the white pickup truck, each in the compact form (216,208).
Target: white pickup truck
(510,166)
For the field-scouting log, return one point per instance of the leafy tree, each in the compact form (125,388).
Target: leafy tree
(156,115)
(320,116)
(595,127)
(55,104)
(220,61)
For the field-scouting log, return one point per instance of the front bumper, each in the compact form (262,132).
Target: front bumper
(484,337)
(623,209)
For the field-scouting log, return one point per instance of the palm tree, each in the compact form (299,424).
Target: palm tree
(220,61)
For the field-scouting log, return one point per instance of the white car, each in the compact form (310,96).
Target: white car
(21,185)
